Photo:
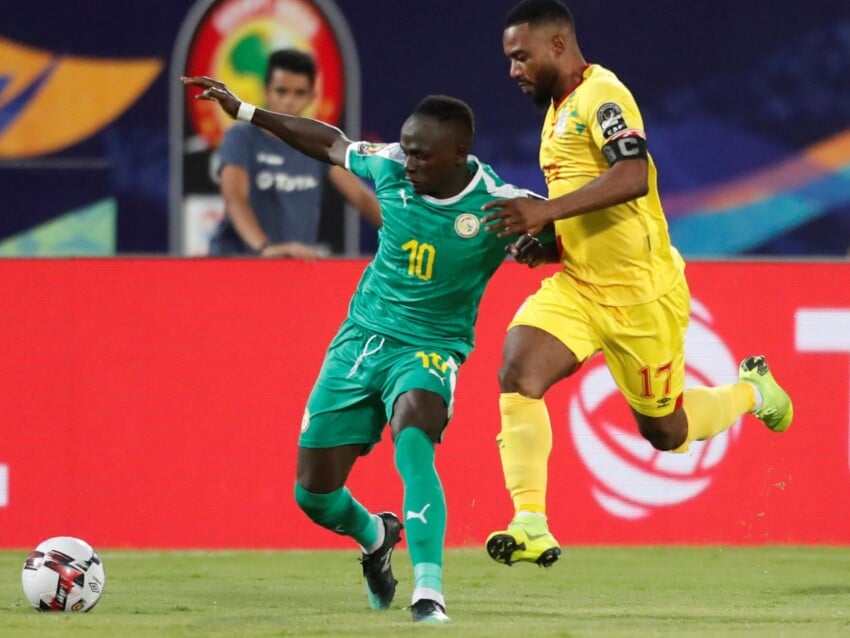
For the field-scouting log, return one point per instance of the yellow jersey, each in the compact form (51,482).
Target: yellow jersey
(617,256)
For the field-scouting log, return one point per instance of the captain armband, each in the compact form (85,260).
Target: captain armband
(626,147)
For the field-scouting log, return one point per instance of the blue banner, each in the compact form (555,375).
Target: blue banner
(745,104)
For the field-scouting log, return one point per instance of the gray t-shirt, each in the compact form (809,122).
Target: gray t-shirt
(285,189)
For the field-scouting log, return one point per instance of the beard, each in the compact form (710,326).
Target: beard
(541,99)
(544,88)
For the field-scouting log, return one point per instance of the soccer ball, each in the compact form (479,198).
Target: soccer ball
(63,574)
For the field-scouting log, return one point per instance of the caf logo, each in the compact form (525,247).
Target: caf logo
(630,478)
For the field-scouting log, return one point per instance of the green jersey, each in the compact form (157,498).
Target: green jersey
(434,257)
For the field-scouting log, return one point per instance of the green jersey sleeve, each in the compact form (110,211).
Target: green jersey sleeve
(383,164)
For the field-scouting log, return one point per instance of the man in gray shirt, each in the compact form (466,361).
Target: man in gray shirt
(272,193)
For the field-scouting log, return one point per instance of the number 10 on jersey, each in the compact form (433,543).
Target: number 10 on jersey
(420,259)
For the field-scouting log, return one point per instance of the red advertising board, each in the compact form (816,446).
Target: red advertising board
(157,403)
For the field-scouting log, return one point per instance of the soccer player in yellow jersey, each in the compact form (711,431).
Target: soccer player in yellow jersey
(622,289)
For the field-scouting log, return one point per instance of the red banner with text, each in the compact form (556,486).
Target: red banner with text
(157,404)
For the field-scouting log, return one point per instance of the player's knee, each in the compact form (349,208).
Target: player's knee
(432,430)
(513,378)
(665,433)
(315,506)
(303,499)
(662,436)
(420,409)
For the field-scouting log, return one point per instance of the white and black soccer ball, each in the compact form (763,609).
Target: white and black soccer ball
(63,574)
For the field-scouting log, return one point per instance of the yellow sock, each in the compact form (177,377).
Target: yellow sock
(711,411)
(524,445)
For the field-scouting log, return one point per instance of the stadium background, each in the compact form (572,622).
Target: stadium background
(171,389)
(747,109)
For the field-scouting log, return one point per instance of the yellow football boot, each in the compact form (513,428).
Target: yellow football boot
(776,410)
(527,539)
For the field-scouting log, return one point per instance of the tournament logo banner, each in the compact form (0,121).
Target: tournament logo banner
(231,40)
(33,81)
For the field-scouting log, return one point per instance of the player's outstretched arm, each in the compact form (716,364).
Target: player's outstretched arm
(311,137)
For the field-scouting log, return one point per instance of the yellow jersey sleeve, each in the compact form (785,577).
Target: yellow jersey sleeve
(611,112)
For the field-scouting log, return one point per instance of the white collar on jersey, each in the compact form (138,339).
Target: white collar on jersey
(479,173)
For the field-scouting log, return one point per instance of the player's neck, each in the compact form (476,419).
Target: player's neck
(572,76)
(455,185)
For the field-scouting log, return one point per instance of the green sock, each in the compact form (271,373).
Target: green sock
(424,506)
(339,512)
(428,578)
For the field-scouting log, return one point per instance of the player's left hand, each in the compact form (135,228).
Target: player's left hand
(527,250)
(515,216)
(215,91)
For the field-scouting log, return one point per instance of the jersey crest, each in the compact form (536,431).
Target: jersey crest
(467,225)
(561,123)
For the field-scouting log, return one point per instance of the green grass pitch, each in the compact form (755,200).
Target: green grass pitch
(605,592)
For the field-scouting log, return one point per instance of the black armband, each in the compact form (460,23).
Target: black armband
(622,148)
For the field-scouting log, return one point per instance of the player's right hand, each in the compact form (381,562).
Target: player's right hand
(214,91)
(527,250)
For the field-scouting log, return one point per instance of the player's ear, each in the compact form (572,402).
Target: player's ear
(559,44)
(464,143)
(462,154)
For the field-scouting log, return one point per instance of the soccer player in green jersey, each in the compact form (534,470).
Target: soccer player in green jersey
(409,327)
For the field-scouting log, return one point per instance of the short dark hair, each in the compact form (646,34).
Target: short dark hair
(292,60)
(447,109)
(536,12)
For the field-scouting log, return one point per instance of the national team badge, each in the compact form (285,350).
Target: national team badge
(467,225)
(561,123)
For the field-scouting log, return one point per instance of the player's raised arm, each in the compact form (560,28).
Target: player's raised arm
(318,140)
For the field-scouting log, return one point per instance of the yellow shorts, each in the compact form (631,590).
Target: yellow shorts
(644,345)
